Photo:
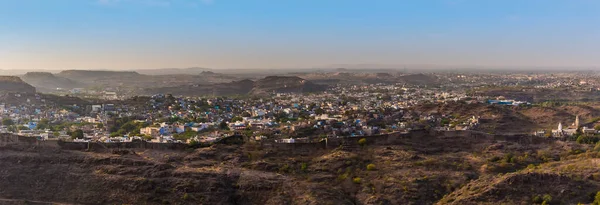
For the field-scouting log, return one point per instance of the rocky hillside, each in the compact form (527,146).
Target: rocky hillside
(15,84)
(233,88)
(285,84)
(243,87)
(419,170)
(516,119)
(173,71)
(418,79)
(90,75)
(430,169)
(370,78)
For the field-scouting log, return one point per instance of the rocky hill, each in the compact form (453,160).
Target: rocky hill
(48,82)
(370,78)
(173,71)
(429,169)
(538,95)
(233,88)
(285,84)
(92,75)
(418,79)
(15,84)
(243,87)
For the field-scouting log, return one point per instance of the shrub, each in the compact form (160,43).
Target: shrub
(597,199)
(343,176)
(547,199)
(537,199)
(583,139)
(371,167)
(597,147)
(284,169)
(304,166)
(509,158)
(362,142)
(357,180)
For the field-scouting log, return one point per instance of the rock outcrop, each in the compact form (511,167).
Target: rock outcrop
(285,84)
(48,82)
(15,84)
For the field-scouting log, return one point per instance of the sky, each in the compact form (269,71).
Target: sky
(150,34)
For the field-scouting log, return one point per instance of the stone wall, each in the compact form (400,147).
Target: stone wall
(11,140)
(7,139)
(399,138)
(105,147)
(332,143)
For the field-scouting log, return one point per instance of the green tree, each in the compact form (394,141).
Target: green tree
(319,111)
(223,125)
(147,137)
(7,122)
(176,107)
(238,118)
(22,128)
(77,134)
(43,124)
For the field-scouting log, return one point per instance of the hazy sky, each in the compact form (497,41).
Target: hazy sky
(139,34)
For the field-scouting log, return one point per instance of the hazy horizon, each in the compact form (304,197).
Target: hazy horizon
(259,34)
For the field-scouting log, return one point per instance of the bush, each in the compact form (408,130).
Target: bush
(284,169)
(583,139)
(597,147)
(357,180)
(343,176)
(304,166)
(362,142)
(547,198)
(537,199)
(597,199)
(371,167)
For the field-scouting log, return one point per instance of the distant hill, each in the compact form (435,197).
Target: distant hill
(47,82)
(263,86)
(15,84)
(232,88)
(418,79)
(84,75)
(285,84)
(354,78)
(173,71)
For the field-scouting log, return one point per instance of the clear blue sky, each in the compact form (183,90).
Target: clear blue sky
(138,34)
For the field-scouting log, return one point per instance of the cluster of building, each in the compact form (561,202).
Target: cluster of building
(343,111)
(564,132)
